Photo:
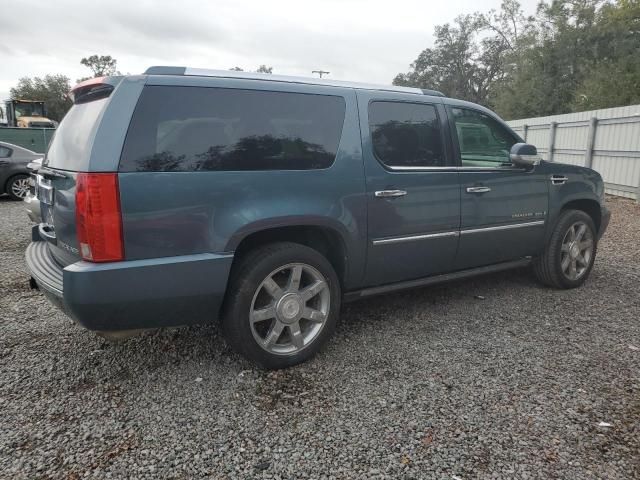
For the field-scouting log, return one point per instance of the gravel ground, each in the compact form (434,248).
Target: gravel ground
(494,377)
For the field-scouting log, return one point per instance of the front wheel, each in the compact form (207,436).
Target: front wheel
(282,306)
(570,253)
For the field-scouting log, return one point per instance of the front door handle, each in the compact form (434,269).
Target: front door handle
(390,193)
(478,189)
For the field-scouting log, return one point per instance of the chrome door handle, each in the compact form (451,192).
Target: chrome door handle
(390,193)
(478,189)
(558,179)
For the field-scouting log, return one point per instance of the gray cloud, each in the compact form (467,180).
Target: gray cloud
(354,39)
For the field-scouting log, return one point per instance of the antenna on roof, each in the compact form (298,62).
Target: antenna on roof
(320,72)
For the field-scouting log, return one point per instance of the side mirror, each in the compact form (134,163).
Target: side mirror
(524,154)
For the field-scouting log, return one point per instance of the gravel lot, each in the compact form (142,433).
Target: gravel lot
(494,377)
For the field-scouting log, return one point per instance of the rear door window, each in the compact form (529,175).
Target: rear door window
(198,128)
(406,134)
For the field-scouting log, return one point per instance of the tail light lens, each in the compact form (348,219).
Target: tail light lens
(98,217)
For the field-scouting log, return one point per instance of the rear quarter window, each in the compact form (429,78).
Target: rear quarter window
(200,128)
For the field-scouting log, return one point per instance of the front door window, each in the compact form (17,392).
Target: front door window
(482,140)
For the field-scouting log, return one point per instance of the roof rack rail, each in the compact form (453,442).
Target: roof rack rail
(201,72)
(433,93)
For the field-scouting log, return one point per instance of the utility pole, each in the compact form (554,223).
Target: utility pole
(320,72)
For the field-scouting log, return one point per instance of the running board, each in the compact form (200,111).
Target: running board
(446,277)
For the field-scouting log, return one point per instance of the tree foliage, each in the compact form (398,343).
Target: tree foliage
(52,89)
(261,69)
(101,65)
(571,55)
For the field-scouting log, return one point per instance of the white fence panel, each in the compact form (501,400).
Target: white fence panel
(606,140)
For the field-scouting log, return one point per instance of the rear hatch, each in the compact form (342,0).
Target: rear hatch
(67,162)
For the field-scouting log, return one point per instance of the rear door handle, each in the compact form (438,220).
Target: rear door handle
(390,193)
(478,189)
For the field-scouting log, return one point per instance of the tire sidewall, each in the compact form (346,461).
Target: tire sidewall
(236,324)
(568,219)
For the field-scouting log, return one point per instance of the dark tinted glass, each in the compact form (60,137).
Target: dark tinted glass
(482,140)
(195,128)
(5,152)
(406,134)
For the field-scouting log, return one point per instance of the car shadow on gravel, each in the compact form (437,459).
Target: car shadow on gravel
(172,347)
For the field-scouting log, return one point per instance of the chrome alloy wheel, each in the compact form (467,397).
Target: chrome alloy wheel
(20,187)
(576,251)
(290,308)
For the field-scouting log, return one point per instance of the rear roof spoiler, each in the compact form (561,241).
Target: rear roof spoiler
(201,72)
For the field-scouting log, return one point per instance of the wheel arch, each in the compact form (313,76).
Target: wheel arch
(326,239)
(589,206)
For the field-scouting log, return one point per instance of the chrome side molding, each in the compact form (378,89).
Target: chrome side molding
(411,238)
(502,227)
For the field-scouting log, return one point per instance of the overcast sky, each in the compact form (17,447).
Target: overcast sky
(359,40)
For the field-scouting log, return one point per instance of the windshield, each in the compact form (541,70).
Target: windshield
(29,109)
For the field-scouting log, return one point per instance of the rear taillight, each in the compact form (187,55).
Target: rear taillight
(98,217)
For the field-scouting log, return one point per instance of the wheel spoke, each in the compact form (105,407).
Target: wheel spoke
(565,247)
(263,314)
(313,290)
(586,244)
(573,269)
(572,233)
(582,260)
(296,335)
(565,263)
(272,288)
(274,334)
(294,279)
(581,231)
(314,315)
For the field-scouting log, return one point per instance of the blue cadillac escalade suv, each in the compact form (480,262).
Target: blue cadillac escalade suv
(185,196)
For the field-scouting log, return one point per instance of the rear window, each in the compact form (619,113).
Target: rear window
(71,145)
(197,128)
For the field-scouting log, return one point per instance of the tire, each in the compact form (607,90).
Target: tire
(18,186)
(271,319)
(570,252)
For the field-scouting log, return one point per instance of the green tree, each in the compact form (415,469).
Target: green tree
(261,69)
(571,55)
(468,58)
(52,89)
(101,65)
(613,77)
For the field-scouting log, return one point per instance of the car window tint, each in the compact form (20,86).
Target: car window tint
(5,152)
(196,128)
(482,140)
(406,134)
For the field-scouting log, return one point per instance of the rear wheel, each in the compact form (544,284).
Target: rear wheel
(282,306)
(570,252)
(18,187)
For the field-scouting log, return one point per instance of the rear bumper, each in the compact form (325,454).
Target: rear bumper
(137,294)
(605,216)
